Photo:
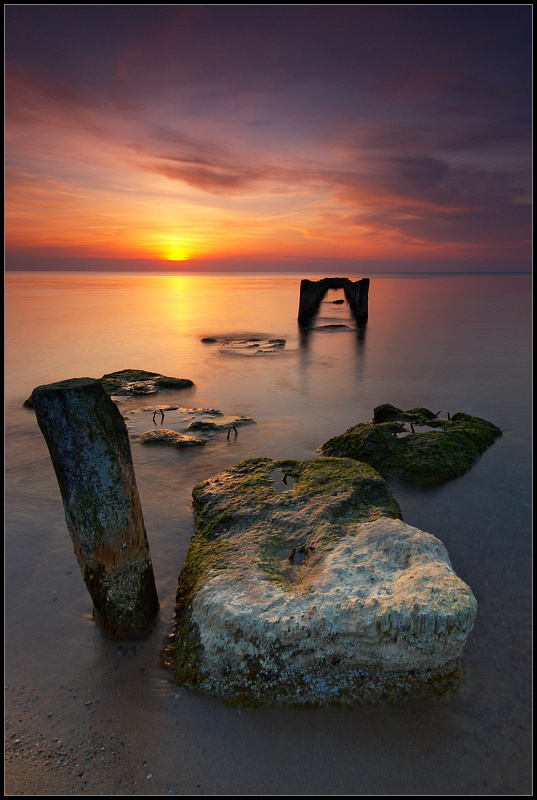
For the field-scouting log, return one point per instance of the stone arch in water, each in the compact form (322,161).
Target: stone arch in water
(312,292)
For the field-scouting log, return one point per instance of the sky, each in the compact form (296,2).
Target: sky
(304,134)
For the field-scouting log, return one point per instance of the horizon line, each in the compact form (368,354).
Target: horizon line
(266,273)
(261,265)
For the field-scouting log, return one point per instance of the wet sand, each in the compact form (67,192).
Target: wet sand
(129,730)
(201,748)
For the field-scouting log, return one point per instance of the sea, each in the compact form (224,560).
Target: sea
(85,715)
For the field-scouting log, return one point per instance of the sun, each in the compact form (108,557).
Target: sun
(176,250)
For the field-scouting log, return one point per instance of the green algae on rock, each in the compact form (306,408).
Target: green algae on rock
(90,452)
(165,436)
(185,427)
(393,444)
(319,594)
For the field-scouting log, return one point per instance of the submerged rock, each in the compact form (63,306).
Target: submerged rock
(165,436)
(245,345)
(252,346)
(320,594)
(180,423)
(131,382)
(416,446)
(227,422)
(331,326)
(139,381)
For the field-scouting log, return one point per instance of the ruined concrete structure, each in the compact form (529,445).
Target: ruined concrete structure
(89,447)
(312,292)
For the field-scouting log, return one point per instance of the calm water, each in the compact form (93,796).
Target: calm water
(447,343)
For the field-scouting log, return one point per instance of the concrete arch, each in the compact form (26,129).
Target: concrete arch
(312,292)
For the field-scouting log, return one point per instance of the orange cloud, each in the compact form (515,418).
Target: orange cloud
(192,133)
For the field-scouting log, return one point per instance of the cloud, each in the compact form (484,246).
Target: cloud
(417,200)
(396,124)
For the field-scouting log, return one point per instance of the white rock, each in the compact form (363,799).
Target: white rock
(374,605)
(385,597)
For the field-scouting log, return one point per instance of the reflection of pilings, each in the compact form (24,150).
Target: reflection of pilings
(304,334)
(312,292)
(361,330)
(89,447)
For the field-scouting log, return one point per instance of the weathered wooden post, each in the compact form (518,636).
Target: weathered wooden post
(90,451)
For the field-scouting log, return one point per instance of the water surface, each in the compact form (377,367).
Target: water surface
(93,716)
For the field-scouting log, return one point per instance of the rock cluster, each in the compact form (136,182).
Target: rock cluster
(302,583)
(185,427)
(315,595)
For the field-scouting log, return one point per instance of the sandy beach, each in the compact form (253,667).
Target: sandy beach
(196,746)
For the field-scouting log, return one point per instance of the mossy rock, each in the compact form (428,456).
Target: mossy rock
(130,382)
(163,436)
(394,445)
(318,594)
(140,381)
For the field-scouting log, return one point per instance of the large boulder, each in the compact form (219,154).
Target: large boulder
(415,446)
(317,594)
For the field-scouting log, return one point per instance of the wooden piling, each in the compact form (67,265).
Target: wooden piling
(90,451)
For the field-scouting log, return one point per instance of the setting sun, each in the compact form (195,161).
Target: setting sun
(176,250)
(318,154)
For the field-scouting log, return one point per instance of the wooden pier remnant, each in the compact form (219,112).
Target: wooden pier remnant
(89,447)
(312,292)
